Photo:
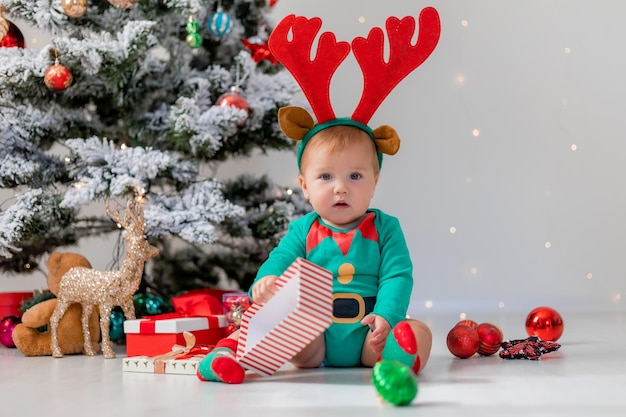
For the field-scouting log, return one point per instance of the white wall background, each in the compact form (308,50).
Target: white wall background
(510,181)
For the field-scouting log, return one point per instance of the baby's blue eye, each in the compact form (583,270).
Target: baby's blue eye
(325,177)
(355,176)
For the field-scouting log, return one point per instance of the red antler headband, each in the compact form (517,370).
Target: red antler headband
(379,77)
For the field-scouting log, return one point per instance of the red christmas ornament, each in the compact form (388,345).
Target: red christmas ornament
(490,337)
(470,323)
(463,341)
(7,325)
(546,323)
(273,3)
(10,35)
(233,98)
(58,77)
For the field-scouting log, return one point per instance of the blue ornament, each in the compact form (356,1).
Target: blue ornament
(219,23)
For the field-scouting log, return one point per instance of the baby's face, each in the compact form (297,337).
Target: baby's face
(340,184)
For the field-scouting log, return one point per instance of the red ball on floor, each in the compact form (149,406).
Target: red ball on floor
(463,341)
(490,337)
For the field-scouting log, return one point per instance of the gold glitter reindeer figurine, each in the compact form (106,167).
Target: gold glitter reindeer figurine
(106,289)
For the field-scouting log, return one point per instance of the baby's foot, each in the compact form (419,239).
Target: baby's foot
(221,364)
(401,346)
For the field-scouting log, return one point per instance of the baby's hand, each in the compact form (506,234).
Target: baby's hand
(380,330)
(264,289)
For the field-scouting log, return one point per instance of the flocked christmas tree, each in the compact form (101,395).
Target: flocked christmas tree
(142,100)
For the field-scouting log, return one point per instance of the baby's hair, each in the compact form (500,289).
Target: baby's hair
(338,138)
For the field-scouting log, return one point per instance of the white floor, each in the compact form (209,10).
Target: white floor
(586,377)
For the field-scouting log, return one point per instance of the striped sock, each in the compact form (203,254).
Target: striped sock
(221,365)
(401,346)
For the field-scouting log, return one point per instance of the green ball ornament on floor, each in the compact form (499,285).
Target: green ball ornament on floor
(395,382)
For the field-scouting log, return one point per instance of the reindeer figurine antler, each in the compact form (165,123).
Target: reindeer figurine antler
(380,77)
(106,289)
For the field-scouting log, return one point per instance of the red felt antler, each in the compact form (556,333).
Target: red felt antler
(313,75)
(381,77)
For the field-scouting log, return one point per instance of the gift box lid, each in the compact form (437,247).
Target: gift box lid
(273,333)
(174,325)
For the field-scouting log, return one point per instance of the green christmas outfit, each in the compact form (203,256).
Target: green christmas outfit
(372,273)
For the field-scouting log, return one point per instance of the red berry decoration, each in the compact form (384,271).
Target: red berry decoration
(463,341)
(58,77)
(546,323)
(490,337)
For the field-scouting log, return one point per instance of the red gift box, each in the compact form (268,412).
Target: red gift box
(151,337)
(10,303)
(196,311)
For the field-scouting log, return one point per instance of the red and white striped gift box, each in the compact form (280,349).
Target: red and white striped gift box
(273,333)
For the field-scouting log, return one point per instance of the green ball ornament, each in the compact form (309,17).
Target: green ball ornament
(194,40)
(155,305)
(193,26)
(395,382)
(147,304)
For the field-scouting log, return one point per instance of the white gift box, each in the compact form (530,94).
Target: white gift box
(181,359)
(273,333)
(149,365)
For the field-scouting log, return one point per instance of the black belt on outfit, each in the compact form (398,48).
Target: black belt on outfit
(350,308)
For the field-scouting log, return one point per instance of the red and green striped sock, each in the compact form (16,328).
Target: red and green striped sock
(401,346)
(221,364)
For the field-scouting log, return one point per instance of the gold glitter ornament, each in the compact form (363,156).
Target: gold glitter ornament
(123,4)
(4,25)
(106,289)
(74,8)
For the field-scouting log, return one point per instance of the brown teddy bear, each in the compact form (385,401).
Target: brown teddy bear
(32,342)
